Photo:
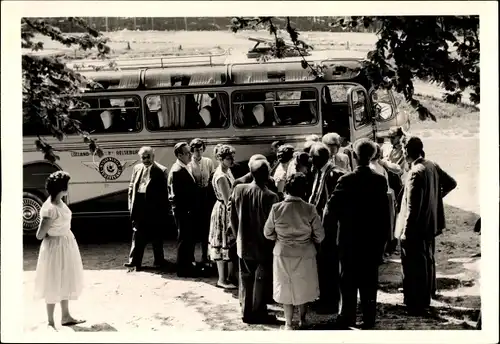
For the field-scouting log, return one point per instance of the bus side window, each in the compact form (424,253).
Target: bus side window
(186,111)
(275,108)
(109,115)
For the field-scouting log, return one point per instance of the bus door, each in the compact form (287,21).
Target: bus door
(360,118)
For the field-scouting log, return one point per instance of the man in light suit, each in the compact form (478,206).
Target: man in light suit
(420,220)
(182,189)
(359,212)
(148,206)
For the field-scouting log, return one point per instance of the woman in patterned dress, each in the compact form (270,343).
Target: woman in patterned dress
(221,239)
(202,169)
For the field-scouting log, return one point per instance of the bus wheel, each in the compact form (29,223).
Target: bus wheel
(31,212)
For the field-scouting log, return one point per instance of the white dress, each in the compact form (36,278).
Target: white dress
(59,271)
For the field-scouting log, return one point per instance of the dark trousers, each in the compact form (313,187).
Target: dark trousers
(205,204)
(252,288)
(186,242)
(139,241)
(419,272)
(362,275)
(328,276)
(146,230)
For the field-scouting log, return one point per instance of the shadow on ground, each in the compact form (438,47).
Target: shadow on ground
(448,317)
(103,327)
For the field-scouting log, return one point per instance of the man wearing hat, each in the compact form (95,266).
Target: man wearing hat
(395,153)
(420,220)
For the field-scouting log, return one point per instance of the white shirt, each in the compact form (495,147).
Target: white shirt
(146,177)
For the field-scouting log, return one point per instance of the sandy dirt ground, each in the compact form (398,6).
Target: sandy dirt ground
(117,300)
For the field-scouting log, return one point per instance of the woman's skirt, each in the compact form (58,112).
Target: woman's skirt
(59,271)
(220,238)
(295,280)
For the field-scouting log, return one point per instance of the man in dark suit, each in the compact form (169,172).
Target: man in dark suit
(182,189)
(148,204)
(325,179)
(420,220)
(248,178)
(250,207)
(358,213)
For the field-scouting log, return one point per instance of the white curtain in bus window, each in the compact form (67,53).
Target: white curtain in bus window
(108,115)
(275,108)
(187,111)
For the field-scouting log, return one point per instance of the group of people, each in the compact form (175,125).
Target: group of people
(310,227)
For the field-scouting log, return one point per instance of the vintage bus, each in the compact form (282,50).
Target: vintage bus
(247,105)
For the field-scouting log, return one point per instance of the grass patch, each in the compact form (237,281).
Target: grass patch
(452,119)
(437,106)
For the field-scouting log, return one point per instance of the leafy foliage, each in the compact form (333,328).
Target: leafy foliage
(442,49)
(50,89)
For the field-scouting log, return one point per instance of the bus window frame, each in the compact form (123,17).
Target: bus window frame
(110,96)
(370,114)
(184,92)
(276,88)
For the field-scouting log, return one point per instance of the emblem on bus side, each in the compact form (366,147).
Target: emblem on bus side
(110,168)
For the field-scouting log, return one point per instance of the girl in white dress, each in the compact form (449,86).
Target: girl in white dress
(59,271)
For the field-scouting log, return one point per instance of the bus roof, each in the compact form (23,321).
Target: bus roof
(244,73)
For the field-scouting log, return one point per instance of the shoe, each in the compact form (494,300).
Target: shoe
(73,322)
(368,325)
(160,264)
(226,285)
(417,312)
(342,324)
(267,319)
(132,267)
(303,324)
(187,274)
(324,309)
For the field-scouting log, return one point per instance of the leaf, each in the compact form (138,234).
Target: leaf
(99,152)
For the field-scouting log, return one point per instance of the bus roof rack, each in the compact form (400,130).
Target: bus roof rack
(150,62)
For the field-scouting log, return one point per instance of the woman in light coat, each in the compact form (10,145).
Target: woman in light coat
(296,227)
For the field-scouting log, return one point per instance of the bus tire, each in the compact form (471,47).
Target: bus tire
(31,213)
